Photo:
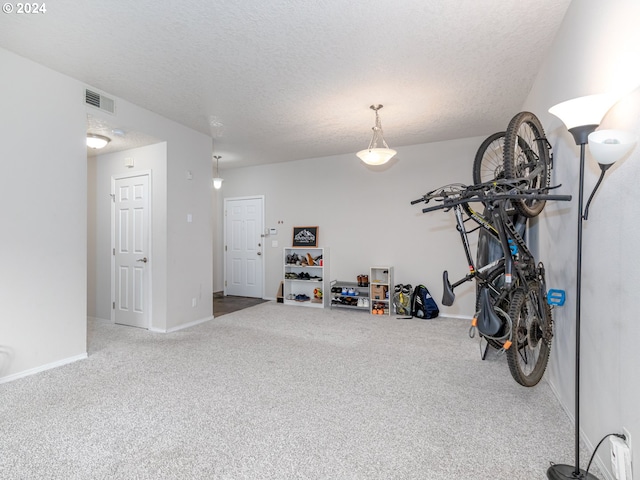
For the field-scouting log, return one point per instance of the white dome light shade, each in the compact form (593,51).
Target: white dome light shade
(97,141)
(588,110)
(376,156)
(609,146)
(217,183)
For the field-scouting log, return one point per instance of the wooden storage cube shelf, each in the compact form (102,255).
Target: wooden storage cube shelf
(381,289)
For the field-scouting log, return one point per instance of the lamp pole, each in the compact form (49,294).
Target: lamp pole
(559,471)
(582,116)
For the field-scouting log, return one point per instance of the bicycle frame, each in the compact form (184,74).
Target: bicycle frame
(517,258)
(512,243)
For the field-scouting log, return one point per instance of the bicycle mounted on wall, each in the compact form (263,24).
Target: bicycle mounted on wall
(511,174)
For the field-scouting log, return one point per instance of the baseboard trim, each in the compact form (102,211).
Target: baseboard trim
(583,436)
(460,317)
(181,327)
(42,368)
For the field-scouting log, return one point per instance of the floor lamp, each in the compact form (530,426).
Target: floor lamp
(582,116)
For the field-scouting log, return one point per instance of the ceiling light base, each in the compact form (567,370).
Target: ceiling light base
(97,141)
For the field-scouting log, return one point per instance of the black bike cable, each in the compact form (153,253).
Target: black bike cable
(619,435)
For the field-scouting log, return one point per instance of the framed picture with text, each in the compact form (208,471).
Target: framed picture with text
(305,237)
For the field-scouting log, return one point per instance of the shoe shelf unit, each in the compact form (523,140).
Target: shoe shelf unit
(380,290)
(306,273)
(351,295)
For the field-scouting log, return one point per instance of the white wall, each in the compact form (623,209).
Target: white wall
(182,255)
(44,299)
(43,262)
(152,158)
(585,59)
(364,214)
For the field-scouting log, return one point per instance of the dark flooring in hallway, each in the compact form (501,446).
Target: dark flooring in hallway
(228,304)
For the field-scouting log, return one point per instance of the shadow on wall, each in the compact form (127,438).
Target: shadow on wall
(6,356)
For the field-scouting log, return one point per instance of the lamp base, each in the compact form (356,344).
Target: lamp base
(564,472)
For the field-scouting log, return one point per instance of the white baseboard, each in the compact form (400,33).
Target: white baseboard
(42,368)
(588,444)
(181,327)
(461,317)
(98,319)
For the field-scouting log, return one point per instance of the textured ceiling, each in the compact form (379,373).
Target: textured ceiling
(280,80)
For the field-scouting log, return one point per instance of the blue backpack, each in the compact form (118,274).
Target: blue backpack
(422,303)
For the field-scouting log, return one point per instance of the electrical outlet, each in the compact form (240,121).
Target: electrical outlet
(620,459)
(628,440)
(629,466)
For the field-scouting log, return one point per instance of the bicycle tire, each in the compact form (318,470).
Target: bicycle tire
(531,337)
(488,163)
(526,153)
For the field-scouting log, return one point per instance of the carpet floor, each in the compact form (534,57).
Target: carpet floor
(282,392)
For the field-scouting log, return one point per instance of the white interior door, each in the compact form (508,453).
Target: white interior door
(244,225)
(131,251)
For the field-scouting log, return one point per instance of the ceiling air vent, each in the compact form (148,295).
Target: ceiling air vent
(97,100)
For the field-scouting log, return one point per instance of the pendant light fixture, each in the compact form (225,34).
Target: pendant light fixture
(217,181)
(374,155)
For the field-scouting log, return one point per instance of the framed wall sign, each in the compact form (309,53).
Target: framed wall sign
(305,237)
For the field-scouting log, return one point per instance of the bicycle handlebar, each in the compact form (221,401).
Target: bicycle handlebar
(446,203)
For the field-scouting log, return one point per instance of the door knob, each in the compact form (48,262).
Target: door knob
(259,253)
(143,259)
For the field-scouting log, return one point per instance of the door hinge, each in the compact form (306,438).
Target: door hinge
(225,248)
(113,305)
(114,251)
(225,283)
(113,197)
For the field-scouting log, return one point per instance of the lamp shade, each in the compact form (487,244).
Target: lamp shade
(217,183)
(609,146)
(97,141)
(376,156)
(588,110)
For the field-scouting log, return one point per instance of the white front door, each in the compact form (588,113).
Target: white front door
(244,226)
(131,250)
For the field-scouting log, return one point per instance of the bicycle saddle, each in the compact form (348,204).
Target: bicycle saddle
(447,290)
(489,323)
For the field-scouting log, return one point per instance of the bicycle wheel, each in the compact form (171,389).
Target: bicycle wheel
(488,163)
(531,336)
(526,156)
